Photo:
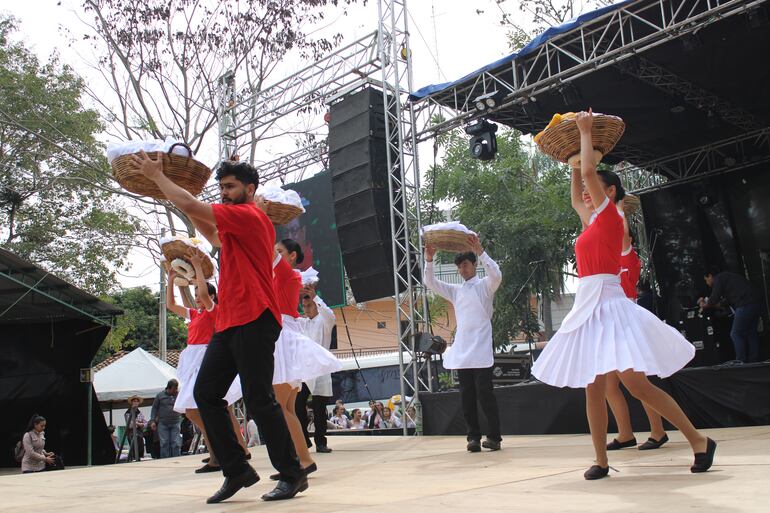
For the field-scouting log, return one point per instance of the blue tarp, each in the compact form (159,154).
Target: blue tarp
(528,49)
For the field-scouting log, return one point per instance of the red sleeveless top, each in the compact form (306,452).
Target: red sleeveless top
(287,283)
(632,269)
(598,248)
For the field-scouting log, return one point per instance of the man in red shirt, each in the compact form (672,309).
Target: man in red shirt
(247,325)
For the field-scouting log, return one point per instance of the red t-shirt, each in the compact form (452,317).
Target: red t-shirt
(201,326)
(287,283)
(631,269)
(598,248)
(245,265)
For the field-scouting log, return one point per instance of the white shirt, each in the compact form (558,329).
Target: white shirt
(472,347)
(319,328)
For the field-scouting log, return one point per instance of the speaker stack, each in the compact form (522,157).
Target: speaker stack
(359,169)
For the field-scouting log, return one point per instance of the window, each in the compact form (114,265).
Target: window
(381,325)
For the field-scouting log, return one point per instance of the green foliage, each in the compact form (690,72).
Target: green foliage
(54,208)
(445,381)
(519,203)
(138,326)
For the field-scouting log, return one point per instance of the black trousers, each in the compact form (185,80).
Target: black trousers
(319,415)
(247,351)
(476,388)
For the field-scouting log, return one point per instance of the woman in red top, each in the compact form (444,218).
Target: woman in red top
(605,332)
(630,270)
(202,320)
(297,357)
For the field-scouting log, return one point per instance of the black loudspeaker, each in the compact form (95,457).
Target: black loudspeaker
(359,169)
(698,330)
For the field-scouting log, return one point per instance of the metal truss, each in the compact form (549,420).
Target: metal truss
(228,143)
(604,41)
(312,85)
(732,154)
(690,94)
(292,164)
(404,194)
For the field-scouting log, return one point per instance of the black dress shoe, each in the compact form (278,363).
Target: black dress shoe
(615,444)
(492,445)
(233,484)
(651,443)
(286,490)
(205,469)
(474,446)
(322,448)
(307,470)
(704,460)
(596,472)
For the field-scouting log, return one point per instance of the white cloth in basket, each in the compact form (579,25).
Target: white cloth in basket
(115,150)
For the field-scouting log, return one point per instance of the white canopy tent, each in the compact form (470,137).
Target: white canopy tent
(137,373)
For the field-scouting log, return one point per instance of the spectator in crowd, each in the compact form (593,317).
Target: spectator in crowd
(166,421)
(339,419)
(135,424)
(411,417)
(341,405)
(357,422)
(375,415)
(389,421)
(252,433)
(36,458)
(111,430)
(187,429)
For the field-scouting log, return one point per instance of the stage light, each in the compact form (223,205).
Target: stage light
(489,100)
(570,95)
(532,108)
(691,42)
(729,161)
(428,344)
(483,143)
(677,105)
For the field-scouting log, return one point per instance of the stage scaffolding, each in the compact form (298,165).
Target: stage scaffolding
(382,59)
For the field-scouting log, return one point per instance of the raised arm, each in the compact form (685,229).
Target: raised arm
(444,290)
(494,276)
(208,230)
(186,202)
(326,313)
(576,193)
(171,300)
(591,180)
(201,287)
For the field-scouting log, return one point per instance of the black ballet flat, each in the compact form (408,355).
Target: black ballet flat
(651,443)
(307,470)
(615,444)
(704,460)
(596,472)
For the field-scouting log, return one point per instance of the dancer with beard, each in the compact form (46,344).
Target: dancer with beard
(605,332)
(247,326)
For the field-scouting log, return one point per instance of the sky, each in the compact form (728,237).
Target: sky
(449,39)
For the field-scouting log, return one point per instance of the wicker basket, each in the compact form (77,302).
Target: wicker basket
(448,240)
(281,213)
(178,249)
(186,172)
(562,141)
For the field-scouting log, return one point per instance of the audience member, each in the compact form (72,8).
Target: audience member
(389,421)
(166,421)
(357,422)
(339,419)
(135,424)
(36,458)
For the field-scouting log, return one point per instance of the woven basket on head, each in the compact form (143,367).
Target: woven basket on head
(281,213)
(448,240)
(186,172)
(631,204)
(178,249)
(563,140)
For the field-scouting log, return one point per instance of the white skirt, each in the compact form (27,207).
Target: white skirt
(187,372)
(298,358)
(605,332)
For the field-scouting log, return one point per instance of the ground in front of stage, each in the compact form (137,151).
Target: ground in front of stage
(387,474)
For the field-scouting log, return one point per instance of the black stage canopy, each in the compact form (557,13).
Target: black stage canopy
(50,331)
(683,74)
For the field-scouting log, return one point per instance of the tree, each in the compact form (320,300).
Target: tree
(519,203)
(54,209)
(138,326)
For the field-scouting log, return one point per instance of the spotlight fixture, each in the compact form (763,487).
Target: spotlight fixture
(532,108)
(570,95)
(691,42)
(483,143)
(489,101)
(677,105)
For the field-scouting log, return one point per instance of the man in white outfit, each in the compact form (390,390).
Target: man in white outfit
(471,352)
(318,323)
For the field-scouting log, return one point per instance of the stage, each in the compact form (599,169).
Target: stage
(388,474)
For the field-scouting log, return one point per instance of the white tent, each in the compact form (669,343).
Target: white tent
(137,373)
